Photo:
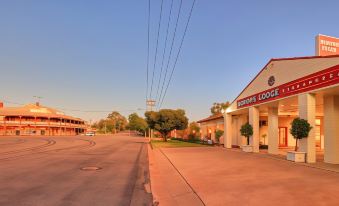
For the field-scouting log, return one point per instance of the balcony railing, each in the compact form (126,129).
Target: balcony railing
(32,123)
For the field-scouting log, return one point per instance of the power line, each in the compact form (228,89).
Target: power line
(149,19)
(10,102)
(156,48)
(171,49)
(176,59)
(99,111)
(165,47)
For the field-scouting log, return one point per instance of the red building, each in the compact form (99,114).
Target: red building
(35,119)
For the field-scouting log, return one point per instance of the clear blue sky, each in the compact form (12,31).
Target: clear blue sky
(91,55)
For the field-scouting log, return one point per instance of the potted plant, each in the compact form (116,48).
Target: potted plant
(300,129)
(246,130)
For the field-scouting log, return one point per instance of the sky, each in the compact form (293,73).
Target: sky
(91,55)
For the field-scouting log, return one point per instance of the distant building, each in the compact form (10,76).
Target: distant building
(35,119)
(210,125)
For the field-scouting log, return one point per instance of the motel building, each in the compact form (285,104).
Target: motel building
(35,119)
(287,88)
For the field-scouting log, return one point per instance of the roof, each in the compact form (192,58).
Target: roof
(281,59)
(35,110)
(214,117)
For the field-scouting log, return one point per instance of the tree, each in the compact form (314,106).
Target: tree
(166,120)
(217,107)
(218,134)
(300,129)
(194,127)
(246,130)
(137,123)
(193,130)
(120,122)
(104,126)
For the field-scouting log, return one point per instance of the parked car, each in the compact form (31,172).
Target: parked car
(90,134)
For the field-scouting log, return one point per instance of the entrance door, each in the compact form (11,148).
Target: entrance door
(282,136)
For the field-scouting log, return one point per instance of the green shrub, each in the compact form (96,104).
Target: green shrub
(299,130)
(218,134)
(263,146)
(191,136)
(246,130)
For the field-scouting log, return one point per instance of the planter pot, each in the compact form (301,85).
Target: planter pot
(296,156)
(247,148)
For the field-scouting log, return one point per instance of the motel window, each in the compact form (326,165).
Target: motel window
(262,123)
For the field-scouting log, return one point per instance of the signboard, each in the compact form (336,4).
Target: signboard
(326,45)
(311,82)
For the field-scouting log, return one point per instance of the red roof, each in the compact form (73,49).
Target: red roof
(35,110)
(214,117)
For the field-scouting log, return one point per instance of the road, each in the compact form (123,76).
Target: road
(49,171)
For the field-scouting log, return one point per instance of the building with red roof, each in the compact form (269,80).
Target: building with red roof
(35,119)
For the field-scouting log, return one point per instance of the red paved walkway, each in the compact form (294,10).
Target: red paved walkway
(223,177)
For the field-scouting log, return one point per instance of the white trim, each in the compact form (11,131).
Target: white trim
(328,36)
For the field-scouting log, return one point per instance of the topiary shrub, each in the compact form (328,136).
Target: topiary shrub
(300,129)
(218,134)
(246,130)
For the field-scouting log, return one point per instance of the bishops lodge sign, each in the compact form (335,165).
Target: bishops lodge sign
(311,82)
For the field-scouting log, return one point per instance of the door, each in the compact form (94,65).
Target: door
(282,136)
(318,132)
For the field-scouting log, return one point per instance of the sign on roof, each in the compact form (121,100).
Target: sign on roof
(40,110)
(326,45)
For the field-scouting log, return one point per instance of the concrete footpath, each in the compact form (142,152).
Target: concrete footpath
(227,177)
(167,184)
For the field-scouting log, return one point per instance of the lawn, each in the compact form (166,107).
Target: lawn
(175,143)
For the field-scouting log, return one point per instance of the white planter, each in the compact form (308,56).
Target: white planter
(247,148)
(296,156)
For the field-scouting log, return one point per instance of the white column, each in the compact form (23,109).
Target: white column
(227,130)
(202,131)
(273,130)
(254,121)
(307,112)
(213,133)
(331,129)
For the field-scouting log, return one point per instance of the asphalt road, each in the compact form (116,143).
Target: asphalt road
(48,171)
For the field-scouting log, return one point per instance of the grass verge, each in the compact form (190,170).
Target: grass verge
(175,143)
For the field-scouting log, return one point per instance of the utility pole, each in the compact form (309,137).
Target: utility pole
(38,99)
(150,104)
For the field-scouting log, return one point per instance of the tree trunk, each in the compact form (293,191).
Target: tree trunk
(296,144)
(248,140)
(164,135)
